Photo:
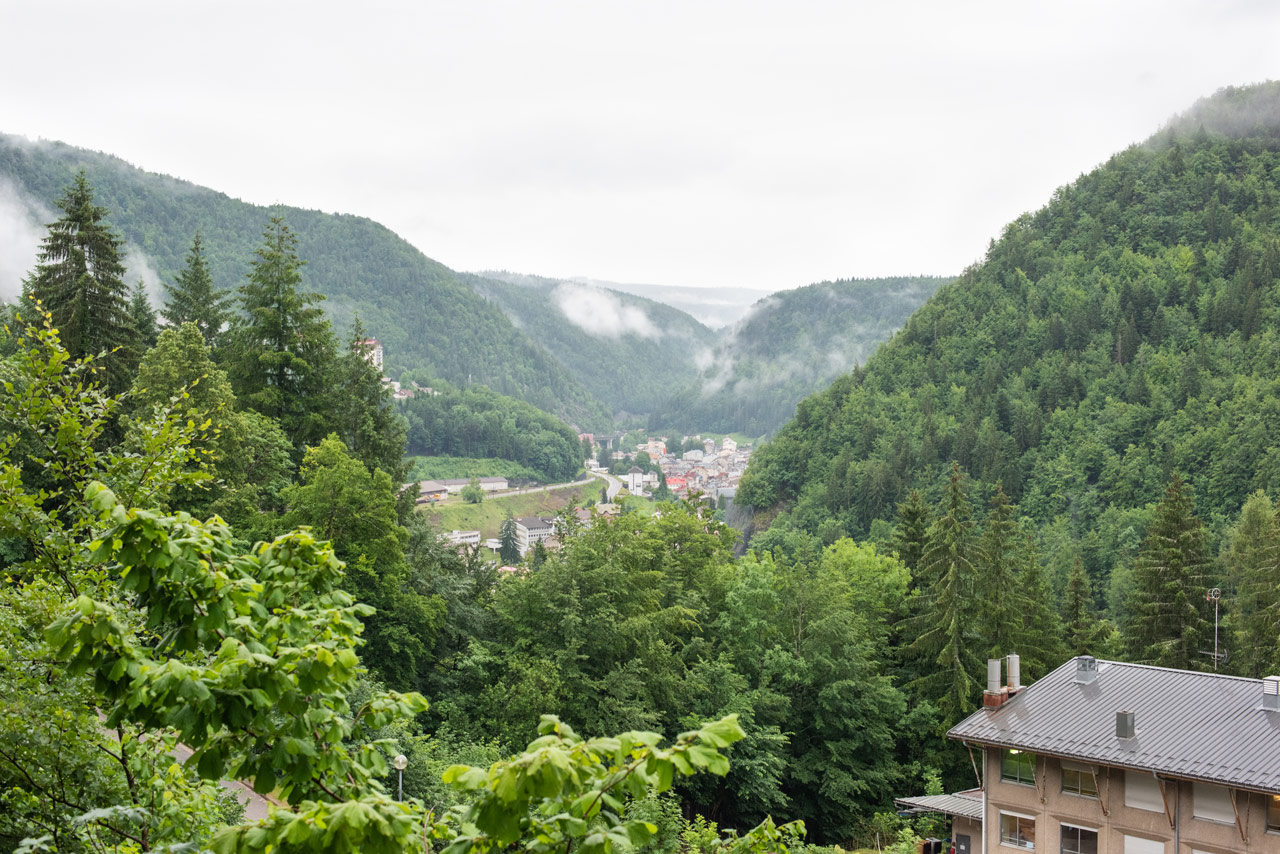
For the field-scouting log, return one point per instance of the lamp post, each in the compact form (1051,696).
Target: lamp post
(400,763)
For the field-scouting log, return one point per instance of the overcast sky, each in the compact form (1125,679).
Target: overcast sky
(761,145)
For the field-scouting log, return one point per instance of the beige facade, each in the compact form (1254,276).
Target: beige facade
(1056,811)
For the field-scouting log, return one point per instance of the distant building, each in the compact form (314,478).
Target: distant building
(635,479)
(488,484)
(463,538)
(694,456)
(727,444)
(371,350)
(431,490)
(531,530)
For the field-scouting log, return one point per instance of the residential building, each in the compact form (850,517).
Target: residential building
(531,530)
(1104,757)
(635,479)
(463,538)
(371,350)
(728,444)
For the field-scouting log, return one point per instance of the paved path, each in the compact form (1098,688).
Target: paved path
(255,806)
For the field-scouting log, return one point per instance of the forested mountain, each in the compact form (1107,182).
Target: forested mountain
(477,422)
(789,345)
(425,318)
(1123,334)
(627,350)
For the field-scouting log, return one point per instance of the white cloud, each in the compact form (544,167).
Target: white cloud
(21,231)
(601,313)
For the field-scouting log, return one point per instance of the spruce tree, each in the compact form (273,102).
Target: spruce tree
(911,533)
(1001,600)
(143,318)
(1251,560)
(282,351)
(946,638)
(509,549)
(361,410)
(1082,628)
(79,280)
(1041,644)
(194,299)
(1169,625)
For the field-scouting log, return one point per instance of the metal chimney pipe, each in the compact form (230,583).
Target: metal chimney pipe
(1015,671)
(1086,669)
(993,675)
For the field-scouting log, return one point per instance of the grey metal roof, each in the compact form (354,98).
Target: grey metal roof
(967,804)
(1197,726)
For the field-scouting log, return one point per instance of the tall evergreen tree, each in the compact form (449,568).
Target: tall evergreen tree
(282,347)
(1002,602)
(79,280)
(912,531)
(360,410)
(1251,560)
(1081,618)
(1041,644)
(509,550)
(945,623)
(1169,625)
(143,318)
(194,299)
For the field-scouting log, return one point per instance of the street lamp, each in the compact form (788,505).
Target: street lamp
(400,763)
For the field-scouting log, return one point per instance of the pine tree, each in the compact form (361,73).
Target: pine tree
(944,624)
(509,549)
(911,534)
(193,298)
(79,280)
(1251,559)
(1169,625)
(143,318)
(1082,629)
(361,410)
(1041,644)
(1001,600)
(281,352)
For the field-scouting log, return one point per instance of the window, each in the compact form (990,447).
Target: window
(1141,845)
(1273,814)
(1018,831)
(1079,840)
(1142,791)
(1018,767)
(1079,780)
(1212,803)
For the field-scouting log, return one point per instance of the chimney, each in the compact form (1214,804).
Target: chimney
(1014,669)
(996,694)
(1271,693)
(1124,725)
(1086,670)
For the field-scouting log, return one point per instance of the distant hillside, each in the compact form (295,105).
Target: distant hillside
(628,351)
(790,345)
(1125,332)
(417,308)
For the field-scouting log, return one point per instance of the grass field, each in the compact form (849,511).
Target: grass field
(486,517)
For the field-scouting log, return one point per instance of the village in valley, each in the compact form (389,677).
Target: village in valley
(632,475)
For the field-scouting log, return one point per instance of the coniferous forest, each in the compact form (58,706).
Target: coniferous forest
(212,572)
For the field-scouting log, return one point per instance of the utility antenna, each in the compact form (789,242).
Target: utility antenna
(1214,595)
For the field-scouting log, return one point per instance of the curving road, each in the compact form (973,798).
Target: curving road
(615,485)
